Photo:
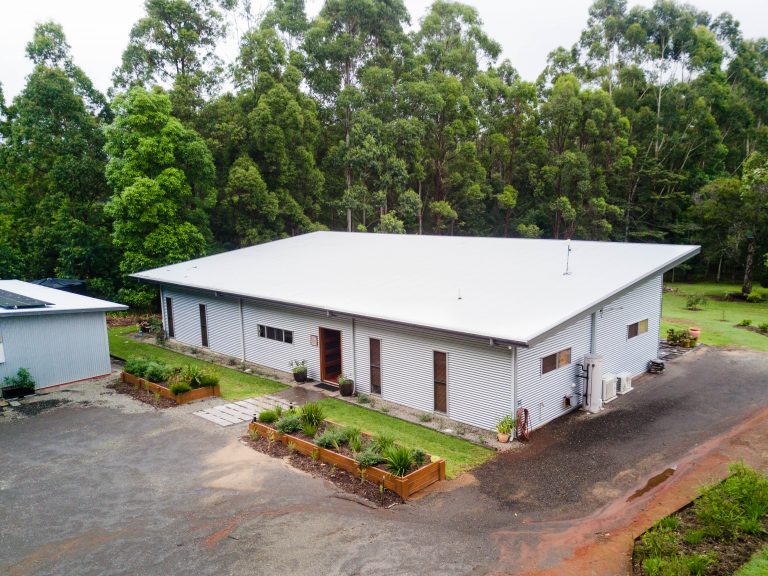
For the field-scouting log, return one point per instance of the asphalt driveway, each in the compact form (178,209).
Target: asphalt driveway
(103,487)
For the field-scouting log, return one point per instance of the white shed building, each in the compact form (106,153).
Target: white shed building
(470,327)
(60,337)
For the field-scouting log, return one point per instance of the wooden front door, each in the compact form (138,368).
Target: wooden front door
(375,366)
(441,381)
(330,355)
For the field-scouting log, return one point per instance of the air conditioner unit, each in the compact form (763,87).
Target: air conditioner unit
(623,382)
(609,387)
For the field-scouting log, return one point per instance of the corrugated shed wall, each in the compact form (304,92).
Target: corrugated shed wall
(542,394)
(479,375)
(224,335)
(56,348)
(620,353)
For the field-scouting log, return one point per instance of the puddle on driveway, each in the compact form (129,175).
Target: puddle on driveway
(652,483)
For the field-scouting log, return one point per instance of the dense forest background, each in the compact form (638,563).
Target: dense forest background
(652,128)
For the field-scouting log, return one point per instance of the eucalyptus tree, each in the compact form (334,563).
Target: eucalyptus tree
(346,37)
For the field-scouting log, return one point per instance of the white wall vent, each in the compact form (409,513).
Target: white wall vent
(609,387)
(623,382)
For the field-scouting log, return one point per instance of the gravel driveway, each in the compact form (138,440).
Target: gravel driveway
(101,485)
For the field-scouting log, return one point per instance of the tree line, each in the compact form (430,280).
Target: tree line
(651,128)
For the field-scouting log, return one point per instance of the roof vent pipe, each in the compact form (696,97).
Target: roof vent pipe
(568,260)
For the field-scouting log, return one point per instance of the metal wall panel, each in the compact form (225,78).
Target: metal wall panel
(630,354)
(542,394)
(56,348)
(304,324)
(224,334)
(479,375)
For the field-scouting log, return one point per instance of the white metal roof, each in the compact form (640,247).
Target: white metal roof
(61,302)
(512,290)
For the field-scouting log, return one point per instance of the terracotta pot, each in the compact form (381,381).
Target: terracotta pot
(694,332)
(503,438)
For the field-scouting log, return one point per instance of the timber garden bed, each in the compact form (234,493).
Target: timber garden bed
(373,459)
(165,392)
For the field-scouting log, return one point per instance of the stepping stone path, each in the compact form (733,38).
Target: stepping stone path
(241,411)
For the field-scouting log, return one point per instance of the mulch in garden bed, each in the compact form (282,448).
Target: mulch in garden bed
(730,554)
(754,329)
(141,395)
(340,478)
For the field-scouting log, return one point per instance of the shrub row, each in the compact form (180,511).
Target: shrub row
(179,379)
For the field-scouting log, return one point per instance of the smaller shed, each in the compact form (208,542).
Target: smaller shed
(60,337)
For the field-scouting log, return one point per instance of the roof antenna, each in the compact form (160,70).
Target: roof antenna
(568,260)
(459,293)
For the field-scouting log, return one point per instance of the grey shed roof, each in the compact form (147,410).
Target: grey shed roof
(512,290)
(58,301)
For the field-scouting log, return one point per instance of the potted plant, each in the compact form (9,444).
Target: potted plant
(504,428)
(299,369)
(346,386)
(18,386)
(694,332)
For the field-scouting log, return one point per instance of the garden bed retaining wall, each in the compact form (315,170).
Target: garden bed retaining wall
(165,392)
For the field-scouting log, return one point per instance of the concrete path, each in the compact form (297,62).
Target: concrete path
(240,411)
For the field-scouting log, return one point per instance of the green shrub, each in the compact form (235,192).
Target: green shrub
(697,564)
(695,302)
(745,323)
(312,413)
(288,424)
(209,379)
(659,541)
(755,298)
(368,458)
(382,443)
(278,410)
(331,439)
(419,457)
(136,366)
(157,372)
(506,424)
(23,379)
(399,460)
(735,505)
(426,417)
(763,328)
(180,387)
(363,398)
(309,429)
(268,416)
(694,537)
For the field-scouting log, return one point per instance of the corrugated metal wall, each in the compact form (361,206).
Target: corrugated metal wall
(56,348)
(224,335)
(479,375)
(620,353)
(542,394)
(304,324)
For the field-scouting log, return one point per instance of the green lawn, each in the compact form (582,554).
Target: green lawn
(459,455)
(235,385)
(757,566)
(717,320)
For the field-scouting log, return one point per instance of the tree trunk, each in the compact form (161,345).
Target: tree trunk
(719,267)
(749,268)
(421,212)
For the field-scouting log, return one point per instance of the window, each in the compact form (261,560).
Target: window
(440,365)
(169,316)
(555,361)
(375,356)
(277,334)
(637,328)
(203,326)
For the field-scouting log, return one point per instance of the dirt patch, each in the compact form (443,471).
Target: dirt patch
(34,408)
(129,319)
(141,395)
(340,478)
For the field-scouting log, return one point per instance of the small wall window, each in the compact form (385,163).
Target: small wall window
(276,334)
(555,361)
(169,315)
(203,326)
(637,328)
